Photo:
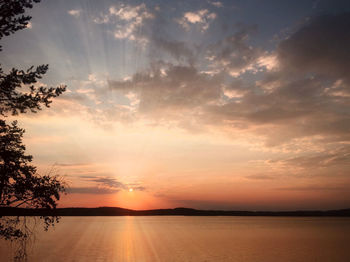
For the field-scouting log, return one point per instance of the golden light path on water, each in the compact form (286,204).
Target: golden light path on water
(135,239)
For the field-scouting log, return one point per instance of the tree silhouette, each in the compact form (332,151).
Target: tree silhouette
(13,98)
(20,184)
(11,15)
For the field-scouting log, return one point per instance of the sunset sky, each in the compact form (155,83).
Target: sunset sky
(204,104)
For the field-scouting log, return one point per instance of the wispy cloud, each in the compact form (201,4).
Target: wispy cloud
(260,177)
(315,188)
(171,89)
(216,3)
(235,55)
(92,190)
(103,185)
(71,164)
(202,18)
(127,20)
(75,12)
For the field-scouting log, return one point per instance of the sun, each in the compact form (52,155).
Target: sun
(130,189)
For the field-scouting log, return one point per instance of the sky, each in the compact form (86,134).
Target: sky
(203,104)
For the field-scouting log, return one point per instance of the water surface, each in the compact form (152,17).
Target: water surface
(173,238)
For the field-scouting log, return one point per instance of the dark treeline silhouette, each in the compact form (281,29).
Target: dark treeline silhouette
(116,211)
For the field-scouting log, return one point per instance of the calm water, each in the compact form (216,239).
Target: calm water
(191,239)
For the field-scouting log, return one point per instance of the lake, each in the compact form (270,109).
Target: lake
(177,238)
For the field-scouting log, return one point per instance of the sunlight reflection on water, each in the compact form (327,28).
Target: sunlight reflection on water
(191,239)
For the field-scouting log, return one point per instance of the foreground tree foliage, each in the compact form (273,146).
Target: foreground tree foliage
(11,15)
(20,184)
(18,93)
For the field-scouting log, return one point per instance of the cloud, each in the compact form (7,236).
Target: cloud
(75,12)
(92,190)
(338,157)
(285,106)
(305,94)
(201,18)
(177,49)
(105,181)
(138,188)
(315,188)
(260,177)
(319,47)
(71,164)
(268,61)
(147,27)
(111,182)
(236,56)
(74,97)
(298,96)
(216,3)
(168,89)
(127,20)
(104,185)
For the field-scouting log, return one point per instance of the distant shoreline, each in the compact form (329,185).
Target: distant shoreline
(116,211)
